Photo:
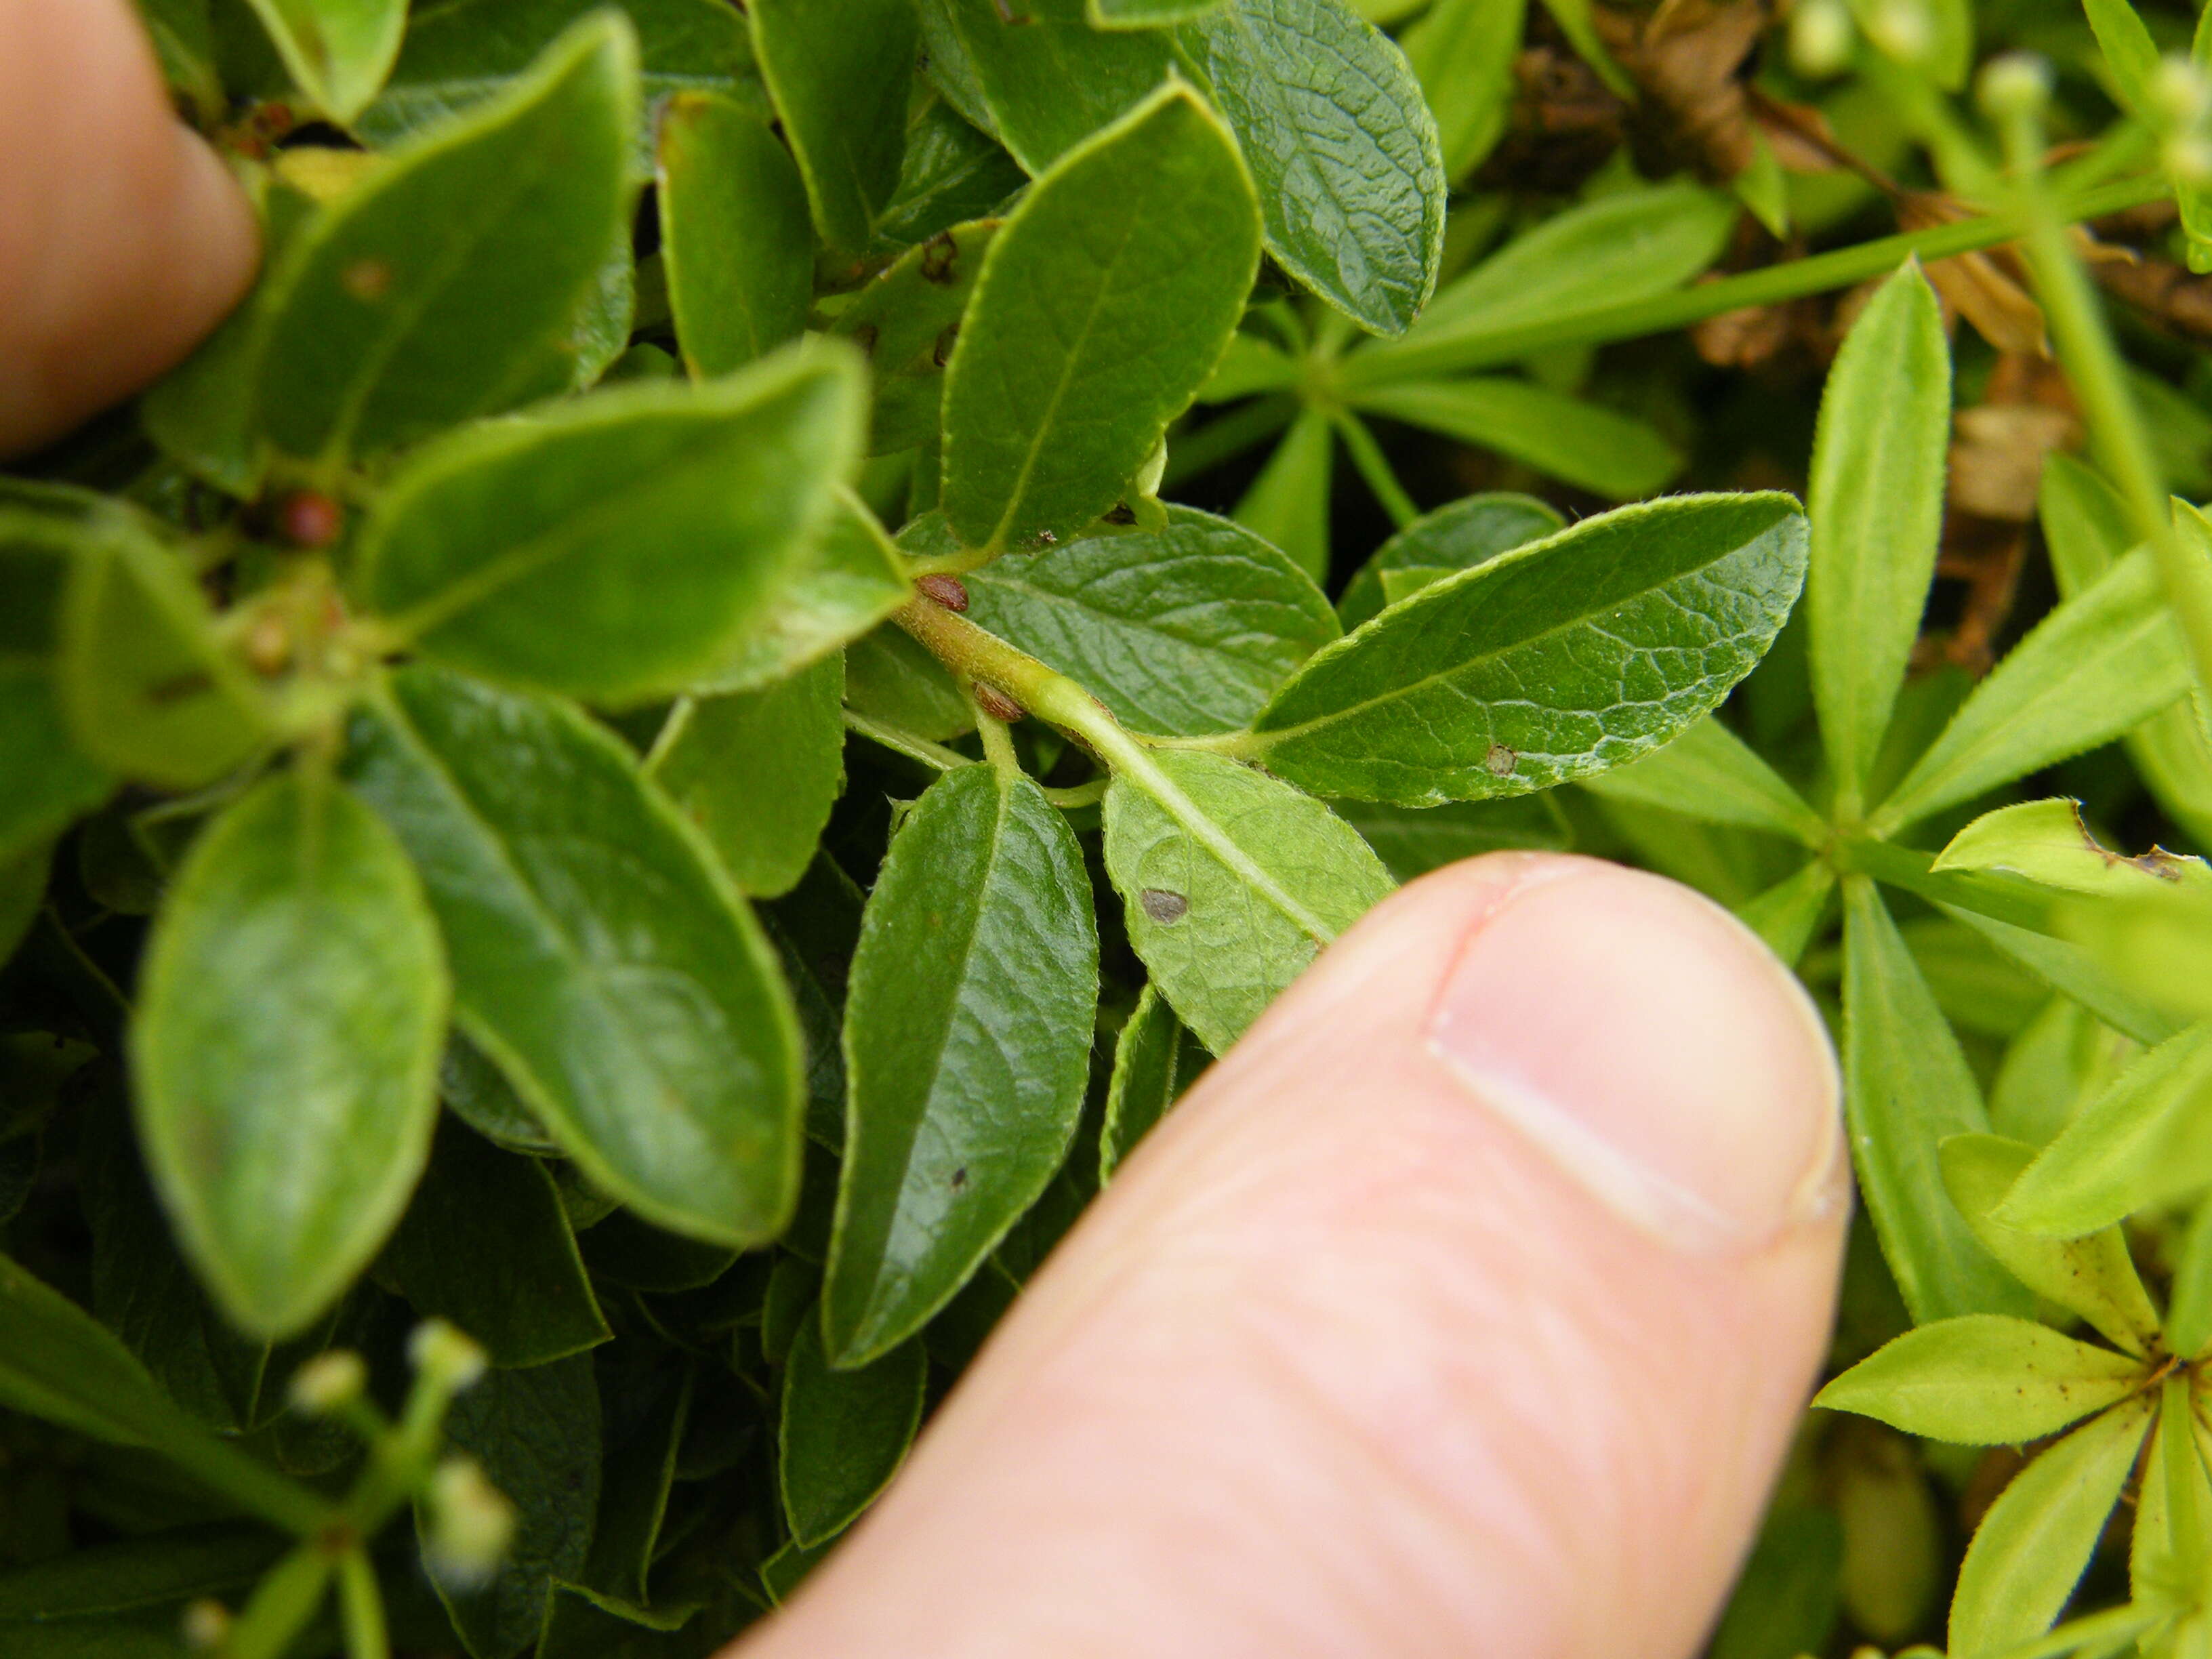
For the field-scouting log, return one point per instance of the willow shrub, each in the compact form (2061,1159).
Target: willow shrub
(625,795)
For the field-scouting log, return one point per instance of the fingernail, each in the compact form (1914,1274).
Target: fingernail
(1653,1049)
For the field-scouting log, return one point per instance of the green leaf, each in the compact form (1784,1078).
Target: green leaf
(1548,663)
(1984,1380)
(735,239)
(50,783)
(842,1434)
(536,1435)
(2129,52)
(907,320)
(1469,531)
(183,40)
(1876,506)
(2144,1141)
(599,957)
(1413,841)
(285,1048)
(1155,1059)
(2155,1567)
(624,546)
(2158,946)
(2096,666)
(1462,52)
(1630,245)
(2035,1542)
(1045,84)
(1342,148)
(1287,505)
(486,1246)
(338,52)
(2091,1276)
(1785,1601)
(1103,303)
(891,678)
(953,174)
(838,70)
(163,1570)
(430,293)
(460,53)
(1711,775)
(1146,14)
(475,1092)
(2046,842)
(1233,883)
(639,1257)
(1906,1088)
(2189,1312)
(967,1043)
(1183,630)
(849,578)
(144,680)
(1579,443)
(758,771)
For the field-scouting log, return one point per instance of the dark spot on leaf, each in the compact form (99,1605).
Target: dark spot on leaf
(865,337)
(960,1177)
(938,258)
(1164,907)
(1499,761)
(189,683)
(943,353)
(1121,513)
(367,280)
(947,591)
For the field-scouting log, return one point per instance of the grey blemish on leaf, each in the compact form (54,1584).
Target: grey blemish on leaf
(1499,761)
(1164,907)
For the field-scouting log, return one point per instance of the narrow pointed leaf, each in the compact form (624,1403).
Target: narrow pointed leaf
(1341,145)
(285,1048)
(838,70)
(1711,775)
(1984,1380)
(1232,881)
(967,1037)
(2035,1542)
(1103,303)
(2189,1312)
(905,321)
(1787,914)
(735,239)
(599,957)
(1469,531)
(1876,505)
(1182,630)
(1045,84)
(758,771)
(2046,842)
(842,1434)
(2146,1139)
(2156,1569)
(2098,665)
(624,546)
(1616,456)
(1462,52)
(1547,664)
(1154,1060)
(337,50)
(1287,505)
(2091,1276)
(429,293)
(1906,1088)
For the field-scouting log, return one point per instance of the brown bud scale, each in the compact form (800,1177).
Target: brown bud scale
(948,591)
(997,704)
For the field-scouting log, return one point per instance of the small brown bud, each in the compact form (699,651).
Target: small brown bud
(309,518)
(948,591)
(997,704)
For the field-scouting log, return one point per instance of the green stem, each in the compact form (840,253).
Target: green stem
(1374,467)
(360,1605)
(1425,353)
(286,1597)
(998,743)
(901,741)
(251,1485)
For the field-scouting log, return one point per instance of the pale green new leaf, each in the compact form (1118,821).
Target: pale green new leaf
(2158,947)
(1232,881)
(432,291)
(2046,842)
(1155,1059)
(2098,665)
(1466,532)
(624,546)
(736,242)
(1616,456)
(2091,1276)
(1547,664)
(1341,145)
(1287,505)
(1906,1089)
(1711,775)
(1876,506)
(338,52)
(841,1434)
(838,70)
(1984,1380)
(2189,1309)
(1461,51)
(2155,1568)
(1186,630)
(2031,1547)
(600,958)
(2129,52)
(758,771)
(966,1041)
(2146,1139)
(284,1050)
(1105,300)
(1787,914)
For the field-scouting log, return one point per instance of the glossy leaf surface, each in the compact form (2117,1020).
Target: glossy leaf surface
(1546,663)
(842,1434)
(837,70)
(285,1049)
(1043,85)
(1469,531)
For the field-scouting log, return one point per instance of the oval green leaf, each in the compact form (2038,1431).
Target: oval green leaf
(285,1048)
(839,71)
(1469,531)
(907,320)
(338,52)
(841,1434)
(600,958)
(1155,1059)
(735,240)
